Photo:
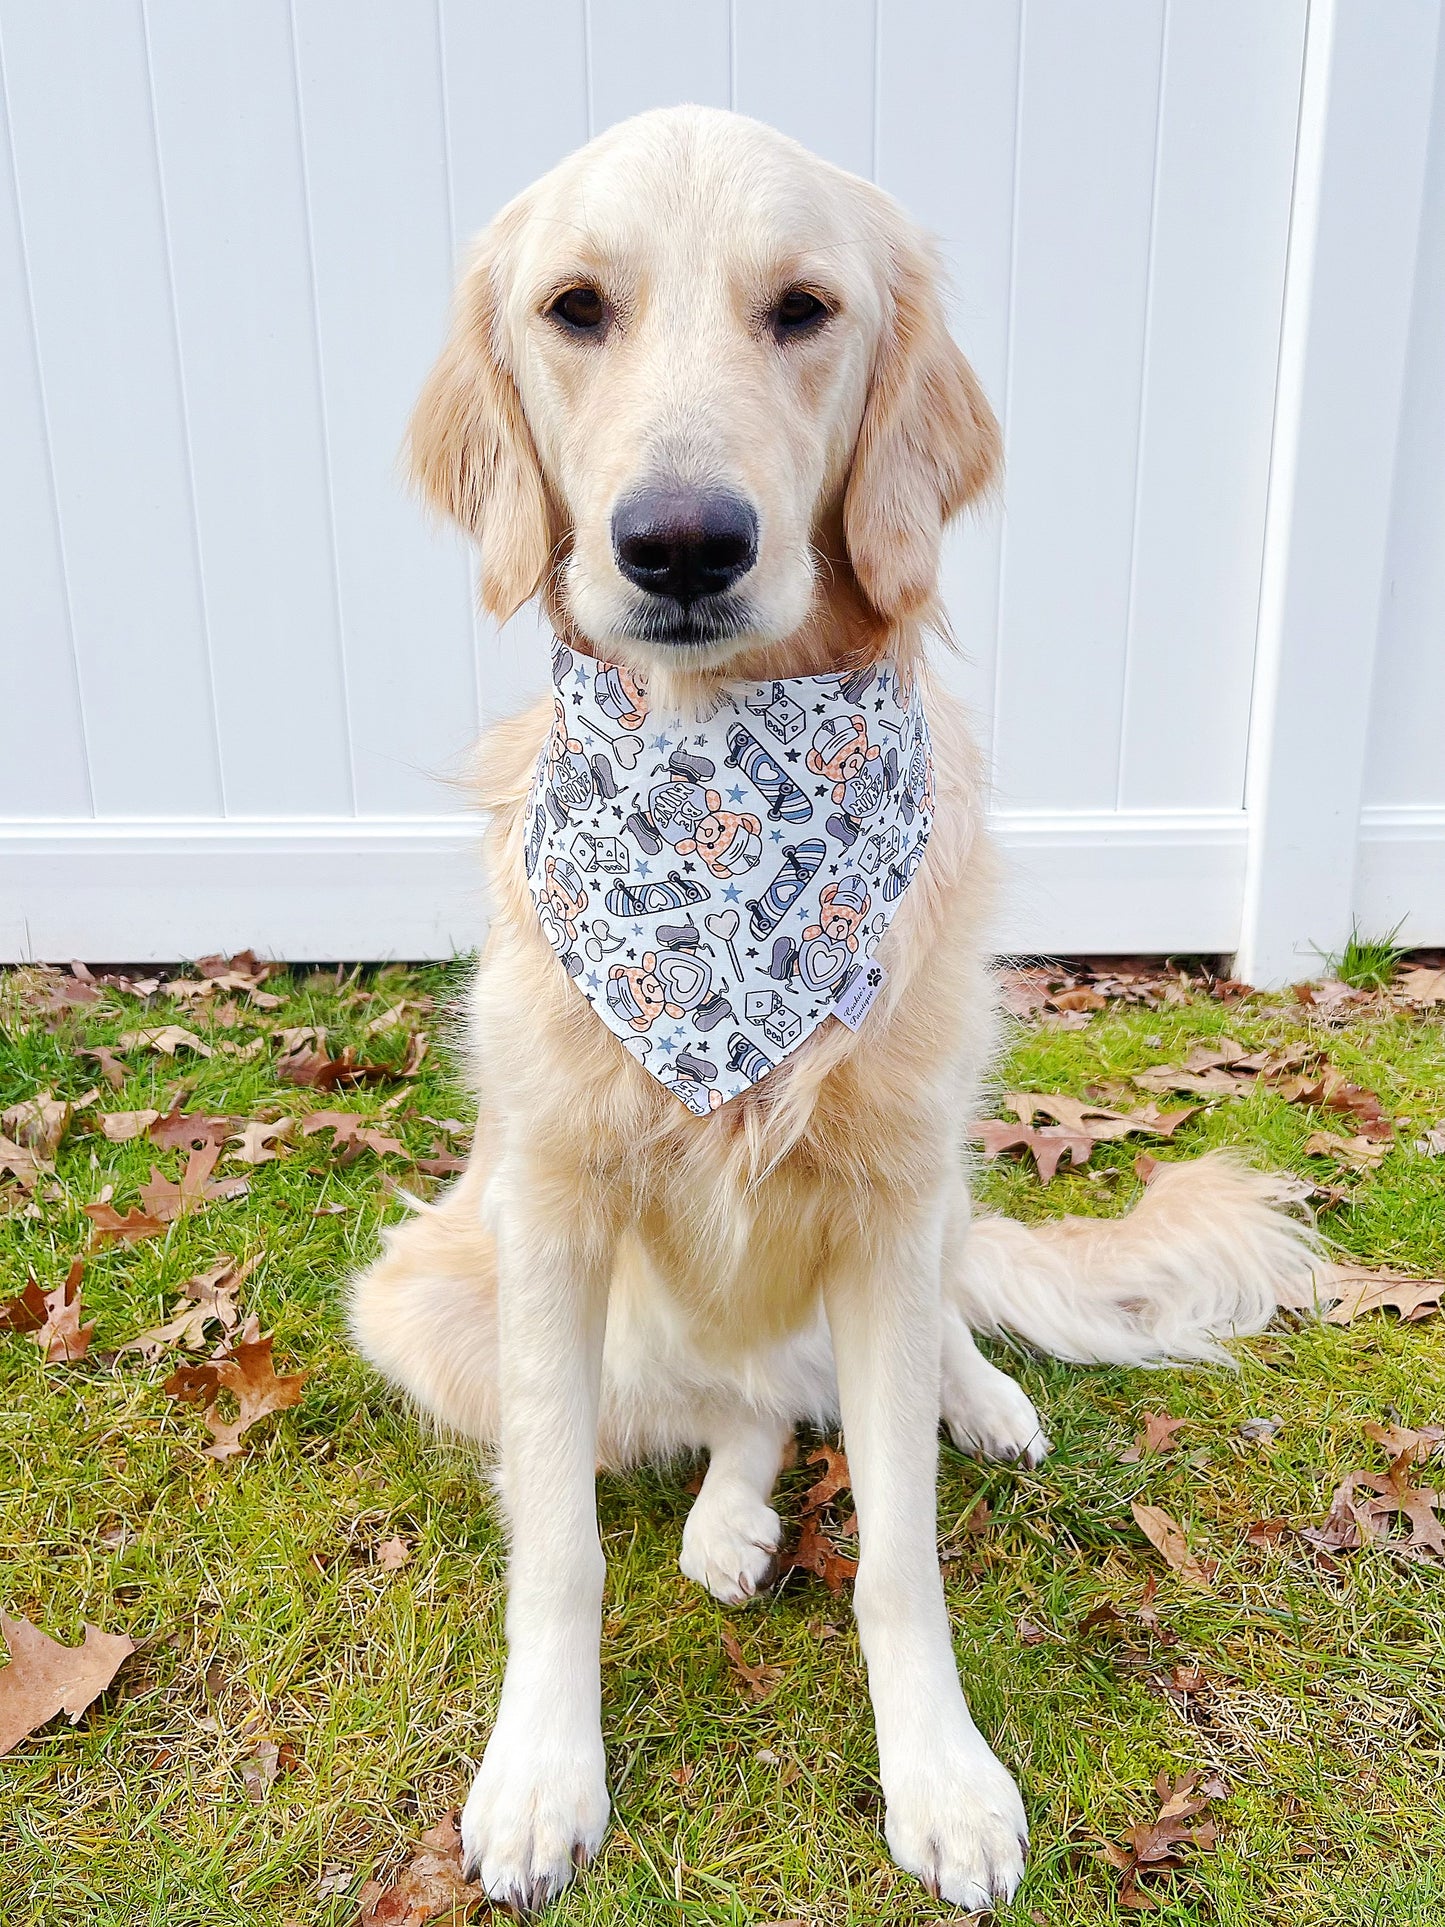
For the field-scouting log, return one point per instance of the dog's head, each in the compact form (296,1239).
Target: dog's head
(694,371)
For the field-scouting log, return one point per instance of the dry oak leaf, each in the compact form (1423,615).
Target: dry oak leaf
(257,1141)
(38,1123)
(318,1070)
(62,1337)
(1355,1153)
(1153,1847)
(27,1313)
(352,1135)
(1157,1436)
(121,1126)
(166,1199)
(111,1068)
(166,1038)
(1166,1535)
(814,1550)
(45,1678)
(758,1681)
(1418,1505)
(179,1130)
(1357,1290)
(130,1229)
(209,1298)
(1398,1441)
(246,1372)
(26,1167)
(392,1554)
(431,1883)
(1422,987)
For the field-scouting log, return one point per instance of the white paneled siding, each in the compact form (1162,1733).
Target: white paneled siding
(237,665)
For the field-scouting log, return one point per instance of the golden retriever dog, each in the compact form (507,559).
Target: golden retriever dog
(701,399)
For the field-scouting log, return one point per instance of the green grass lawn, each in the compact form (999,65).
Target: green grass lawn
(261,1613)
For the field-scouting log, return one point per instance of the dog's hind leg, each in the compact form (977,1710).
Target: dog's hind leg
(425,1313)
(730,1540)
(985,1411)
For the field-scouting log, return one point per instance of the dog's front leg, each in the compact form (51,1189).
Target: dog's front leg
(954,1817)
(538,1806)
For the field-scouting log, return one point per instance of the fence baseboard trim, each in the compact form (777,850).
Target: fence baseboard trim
(153,889)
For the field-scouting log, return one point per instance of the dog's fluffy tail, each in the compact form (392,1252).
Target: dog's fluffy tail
(1208,1253)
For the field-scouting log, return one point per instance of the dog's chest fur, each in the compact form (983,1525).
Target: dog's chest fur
(737,1214)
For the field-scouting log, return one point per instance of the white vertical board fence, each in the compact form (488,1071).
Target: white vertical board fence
(236,667)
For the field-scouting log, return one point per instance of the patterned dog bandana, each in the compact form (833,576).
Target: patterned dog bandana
(716,884)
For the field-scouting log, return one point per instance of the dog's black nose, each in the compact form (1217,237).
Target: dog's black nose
(684,543)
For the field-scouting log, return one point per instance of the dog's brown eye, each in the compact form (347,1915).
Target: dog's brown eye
(797,312)
(581,309)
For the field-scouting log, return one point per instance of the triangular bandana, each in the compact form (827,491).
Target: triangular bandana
(716,885)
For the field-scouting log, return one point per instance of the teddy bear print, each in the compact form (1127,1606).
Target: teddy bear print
(563,899)
(620,695)
(683,813)
(860,774)
(823,961)
(574,781)
(675,980)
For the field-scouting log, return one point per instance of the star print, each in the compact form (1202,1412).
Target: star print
(820,789)
(577,701)
(879,704)
(617,810)
(669,1044)
(735,794)
(776,835)
(832,869)
(701,741)
(792,755)
(644,868)
(663,743)
(732,894)
(817,709)
(594,982)
(580,676)
(632,956)
(812,1014)
(688,867)
(637,932)
(752,953)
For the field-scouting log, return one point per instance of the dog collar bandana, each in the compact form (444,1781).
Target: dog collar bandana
(716,885)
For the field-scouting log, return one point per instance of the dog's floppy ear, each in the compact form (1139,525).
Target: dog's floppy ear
(928,443)
(471,452)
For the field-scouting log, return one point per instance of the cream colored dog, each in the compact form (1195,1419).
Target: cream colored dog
(700,397)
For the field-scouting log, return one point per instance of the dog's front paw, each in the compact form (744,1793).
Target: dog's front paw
(536,1812)
(730,1544)
(995,1419)
(956,1822)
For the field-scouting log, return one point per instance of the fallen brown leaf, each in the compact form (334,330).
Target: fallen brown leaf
(1400,1441)
(430,1883)
(25,1166)
(166,1199)
(1422,987)
(1154,1846)
(392,1554)
(121,1126)
(181,1130)
(111,1068)
(209,1298)
(257,1142)
(1355,1153)
(62,1338)
(246,1372)
(351,1135)
(45,1678)
(38,1123)
(27,1313)
(1157,1436)
(1355,1290)
(1076,1127)
(814,1549)
(759,1681)
(1166,1535)
(166,1038)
